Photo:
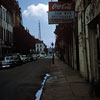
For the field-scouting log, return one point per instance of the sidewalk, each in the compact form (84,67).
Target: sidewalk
(65,84)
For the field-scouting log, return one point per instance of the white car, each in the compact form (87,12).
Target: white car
(42,55)
(8,60)
(35,56)
(24,58)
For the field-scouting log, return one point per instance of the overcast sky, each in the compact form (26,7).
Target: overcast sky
(34,11)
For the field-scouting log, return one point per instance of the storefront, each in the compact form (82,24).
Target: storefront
(92,16)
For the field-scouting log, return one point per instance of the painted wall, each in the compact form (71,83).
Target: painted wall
(81,37)
(91,21)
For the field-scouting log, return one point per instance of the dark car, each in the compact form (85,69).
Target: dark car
(17,60)
(3,65)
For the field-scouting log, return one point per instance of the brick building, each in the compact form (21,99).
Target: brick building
(81,43)
(13,36)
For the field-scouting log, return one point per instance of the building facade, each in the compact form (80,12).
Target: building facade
(80,16)
(81,40)
(39,47)
(88,21)
(10,17)
(6,31)
(92,21)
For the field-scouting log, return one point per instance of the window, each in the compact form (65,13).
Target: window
(37,45)
(3,13)
(37,50)
(9,18)
(6,35)
(0,12)
(11,37)
(1,32)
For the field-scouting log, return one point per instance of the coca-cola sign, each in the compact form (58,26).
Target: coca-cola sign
(61,6)
(61,12)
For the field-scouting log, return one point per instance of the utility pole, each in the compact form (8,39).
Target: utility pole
(39,34)
(53,62)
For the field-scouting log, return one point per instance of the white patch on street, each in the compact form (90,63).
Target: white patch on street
(39,92)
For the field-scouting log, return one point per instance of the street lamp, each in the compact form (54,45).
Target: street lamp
(52,44)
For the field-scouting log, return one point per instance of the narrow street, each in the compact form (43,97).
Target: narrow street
(22,82)
(64,35)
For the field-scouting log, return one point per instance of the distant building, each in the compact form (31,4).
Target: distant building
(39,46)
(49,50)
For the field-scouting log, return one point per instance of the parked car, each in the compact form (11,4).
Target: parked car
(42,55)
(17,59)
(35,56)
(3,65)
(29,58)
(24,58)
(9,60)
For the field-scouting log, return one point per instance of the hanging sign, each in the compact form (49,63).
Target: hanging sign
(61,6)
(60,17)
(61,12)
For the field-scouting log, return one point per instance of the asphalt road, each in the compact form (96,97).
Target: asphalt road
(22,82)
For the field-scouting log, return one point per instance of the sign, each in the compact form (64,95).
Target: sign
(56,17)
(61,12)
(61,6)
